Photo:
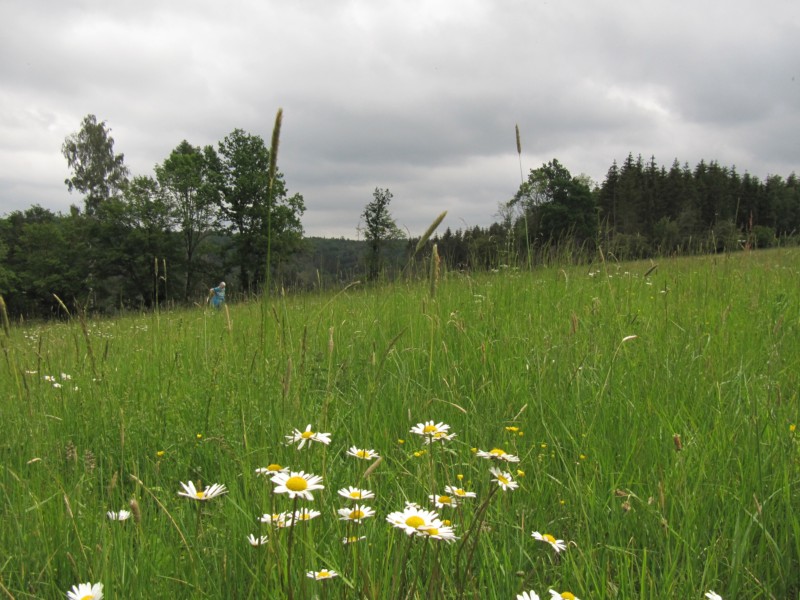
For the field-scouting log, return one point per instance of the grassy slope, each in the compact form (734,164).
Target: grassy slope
(714,361)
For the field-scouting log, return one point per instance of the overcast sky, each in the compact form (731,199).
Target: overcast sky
(420,96)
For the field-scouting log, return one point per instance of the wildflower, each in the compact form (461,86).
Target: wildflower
(554,595)
(498,454)
(412,520)
(160,453)
(270,469)
(353,539)
(324,574)
(437,530)
(65,377)
(257,541)
(419,453)
(307,436)
(504,479)
(528,596)
(429,430)
(357,514)
(520,473)
(439,436)
(443,500)
(297,484)
(712,595)
(122,515)
(305,514)
(362,454)
(86,591)
(558,545)
(458,492)
(280,520)
(460,476)
(792,428)
(401,441)
(199,436)
(56,385)
(50,379)
(353,493)
(209,493)
(512,429)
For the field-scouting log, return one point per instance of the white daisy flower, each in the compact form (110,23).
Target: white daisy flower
(280,520)
(712,595)
(356,514)
(558,545)
(504,479)
(354,493)
(305,514)
(353,539)
(297,484)
(458,493)
(86,591)
(438,531)
(211,492)
(51,379)
(439,436)
(429,429)
(257,541)
(528,596)
(362,453)
(412,520)
(271,470)
(307,436)
(324,574)
(122,515)
(497,454)
(554,595)
(443,500)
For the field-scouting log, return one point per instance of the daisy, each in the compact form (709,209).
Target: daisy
(458,493)
(443,500)
(271,469)
(353,539)
(283,519)
(362,454)
(528,596)
(122,515)
(554,595)
(712,595)
(439,436)
(324,574)
(558,545)
(497,454)
(412,520)
(504,479)
(308,436)
(209,493)
(304,514)
(356,514)
(353,493)
(437,530)
(297,484)
(257,541)
(86,591)
(429,430)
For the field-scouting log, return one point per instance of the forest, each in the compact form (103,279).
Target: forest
(211,213)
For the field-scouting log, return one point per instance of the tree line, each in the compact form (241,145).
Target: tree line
(206,213)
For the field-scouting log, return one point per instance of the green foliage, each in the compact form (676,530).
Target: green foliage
(379,227)
(96,171)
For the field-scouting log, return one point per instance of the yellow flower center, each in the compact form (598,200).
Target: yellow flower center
(502,479)
(87,597)
(432,531)
(200,494)
(362,454)
(444,500)
(568,596)
(497,452)
(355,494)
(357,514)
(415,521)
(549,538)
(307,434)
(460,492)
(429,429)
(324,574)
(296,484)
(274,467)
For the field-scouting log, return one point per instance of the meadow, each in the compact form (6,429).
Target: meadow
(652,407)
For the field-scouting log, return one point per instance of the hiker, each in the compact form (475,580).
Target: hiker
(217,295)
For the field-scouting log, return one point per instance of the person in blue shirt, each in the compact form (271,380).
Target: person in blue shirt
(217,295)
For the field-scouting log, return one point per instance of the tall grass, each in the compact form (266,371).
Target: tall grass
(542,364)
